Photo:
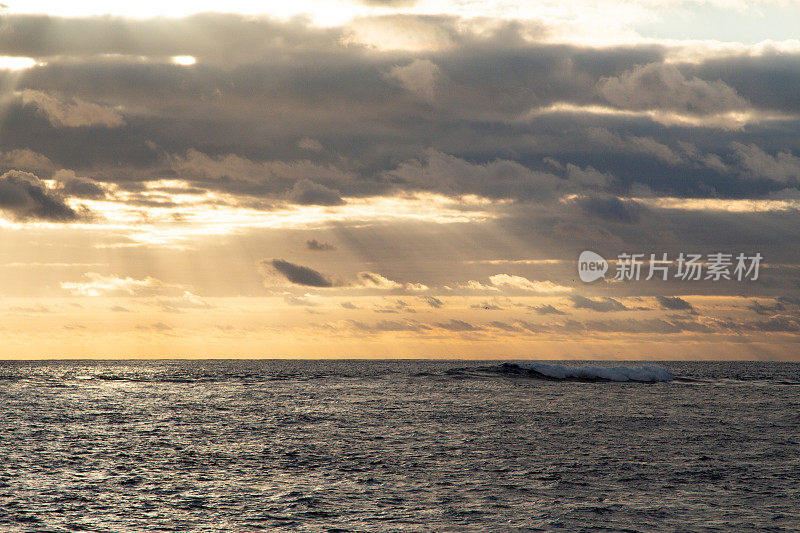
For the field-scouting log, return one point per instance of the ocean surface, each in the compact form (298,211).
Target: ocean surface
(398,446)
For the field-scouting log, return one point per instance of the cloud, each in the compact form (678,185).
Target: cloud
(376,281)
(28,160)
(307,143)
(394,307)
(478,139)
(588,177)
(524,284)
(634,144)
(72,115)
(297,274)
(155,326)
(306,192)
(186,301)
(582,232)
(305,276)
(403,32)
(602,305)
(789,300)
(71,185)
(301,181)
(547,309)
(628,326)
(38,308)
(675,303)
(420,78)
(761,309)
(474,285)
(447,174)
(661,86)
(389,325)
(111,285)
(640,327)
(304,301)
(782,168)
(778,324)
(432,301)
(708,160)
(511,328)
(349,305)
(25,197)
(227,39)
(314,244)
(611,208)
(458,325)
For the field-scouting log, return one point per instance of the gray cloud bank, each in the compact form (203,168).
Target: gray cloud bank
(454,119)
(580,143)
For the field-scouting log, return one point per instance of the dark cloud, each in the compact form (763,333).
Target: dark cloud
(349,305)
(27,160)
(547,309)
(250,117)
(389,325)
(495,179)
(306,192)
(769,310)
(602,305)
(432,301)
(789,300)
(663,86)
(778,324)
(511,328)
(74,114)
(672,325)
(83,188)
(782,168)
(674,303)
(297,274)
(457,122)
(655,325)
(766,79)
(611,208)
(314,244)
(25,197)
(395,307)
(458,325)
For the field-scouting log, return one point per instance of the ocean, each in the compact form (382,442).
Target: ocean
(268,445)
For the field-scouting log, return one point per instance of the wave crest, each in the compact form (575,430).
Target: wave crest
(555,372)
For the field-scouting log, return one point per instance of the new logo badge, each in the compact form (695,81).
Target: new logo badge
(591,266)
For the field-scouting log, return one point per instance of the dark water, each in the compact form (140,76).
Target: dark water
(395,446)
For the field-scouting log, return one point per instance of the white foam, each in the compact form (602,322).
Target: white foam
(645,373)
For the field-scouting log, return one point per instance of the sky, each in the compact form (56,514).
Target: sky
(399,178)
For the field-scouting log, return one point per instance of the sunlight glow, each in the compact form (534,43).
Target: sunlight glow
(185,61)
(721,204)
(734,120)
(16,63)
(139,220)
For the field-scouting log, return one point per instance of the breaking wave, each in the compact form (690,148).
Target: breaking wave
(555,372)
